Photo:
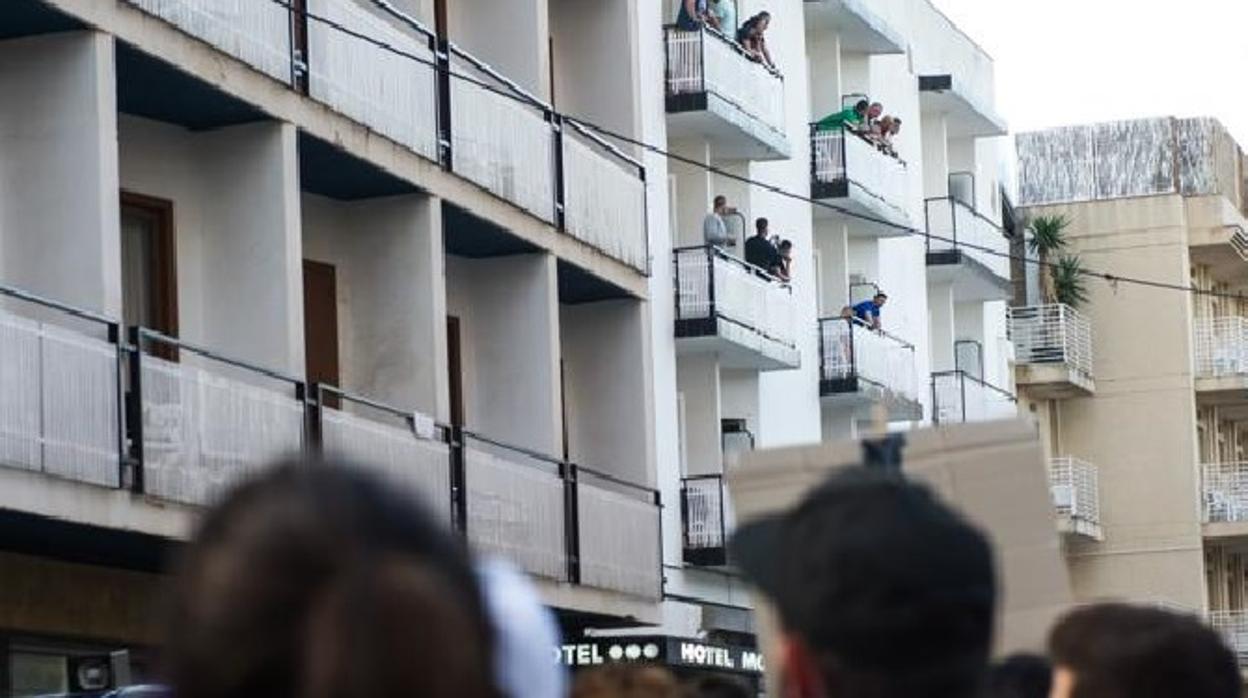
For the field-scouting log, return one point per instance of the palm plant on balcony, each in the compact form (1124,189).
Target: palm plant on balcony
(1068,277)
(1048,239)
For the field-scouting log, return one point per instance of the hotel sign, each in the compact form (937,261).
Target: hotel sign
(672,651)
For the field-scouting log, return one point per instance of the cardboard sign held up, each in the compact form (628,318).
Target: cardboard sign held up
(993,473)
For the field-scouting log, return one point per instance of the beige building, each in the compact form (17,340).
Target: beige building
(1139,393)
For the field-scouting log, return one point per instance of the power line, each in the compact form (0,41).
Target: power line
(515,93)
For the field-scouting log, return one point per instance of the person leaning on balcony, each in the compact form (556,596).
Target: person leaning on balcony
(752,38)
(693,15)
(849,117)
(725,14)
(868,311)
(1123,651)
(760,252)
(785,248)
(714,229)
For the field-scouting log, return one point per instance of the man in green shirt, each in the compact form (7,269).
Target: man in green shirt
(850,116)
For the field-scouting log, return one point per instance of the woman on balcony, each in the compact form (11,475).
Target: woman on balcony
(752,39)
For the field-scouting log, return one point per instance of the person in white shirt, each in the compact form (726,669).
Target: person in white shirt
(714,228)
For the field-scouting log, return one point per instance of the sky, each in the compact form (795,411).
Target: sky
(1062,62)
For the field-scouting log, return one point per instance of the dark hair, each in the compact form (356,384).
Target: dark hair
(1122,651)
(626,681)
(786,244)
(880,294)
(893,591)
(716,686)
(897,120)
(317,580)
(761,225)
(862,105)
(748,25)
(719,200)
(1019,676)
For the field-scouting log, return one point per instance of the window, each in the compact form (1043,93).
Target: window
(148,264)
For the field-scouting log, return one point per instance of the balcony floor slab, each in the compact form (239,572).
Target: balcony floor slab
(860,396)
(1079,528)
(971,280)
(737,347)
(1055,381)
(866,214)
(1223,530)
(733,133)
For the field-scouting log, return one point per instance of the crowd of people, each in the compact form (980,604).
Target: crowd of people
(317,580)
(721,16)
(768,253)
(867,120)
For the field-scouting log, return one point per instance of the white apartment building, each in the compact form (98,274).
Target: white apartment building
(233,229)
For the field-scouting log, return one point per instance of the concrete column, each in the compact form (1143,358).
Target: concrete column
(595,62)
(940,313)
(391,295)
(694,192)
(607,388)
(515,42)
(739,399)
(698,380)
(832,242)
(251,244)
(855,75)
(825,83)
(509,324)
(839,425)
(936,156)
(59,210)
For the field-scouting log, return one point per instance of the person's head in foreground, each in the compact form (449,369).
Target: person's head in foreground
(1121,651)
(318,581)
(626,681)
(1019,676)
(879,591)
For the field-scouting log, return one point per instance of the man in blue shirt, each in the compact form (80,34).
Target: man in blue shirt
(869,311)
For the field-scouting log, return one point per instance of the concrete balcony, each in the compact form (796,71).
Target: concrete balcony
(715,92)
(861,367)
(734,310)
(857,24)
(1076,495)
(967,250)
(956,76)
(1220,346)
(866,187)
(707,520)
(1053,351)
(959,398)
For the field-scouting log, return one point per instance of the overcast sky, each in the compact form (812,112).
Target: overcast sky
(1061,62)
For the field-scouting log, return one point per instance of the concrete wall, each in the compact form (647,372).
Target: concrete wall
(606,388)
(514,41)
(698,383)
(509,325)
(595,61)
(1139,428)
(237,232)
(59,216)
(391,295)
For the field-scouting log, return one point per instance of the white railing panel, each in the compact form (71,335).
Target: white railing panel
(708,518)
(604,201)
(878,174)
(1075,487)
(758,302)
(828,148)
(58,402)
(1225,492)
(619,542)
(880,359)
(516,510)
(1233,626)
(392,94)
(961,398)
(414,464)
(203,433)
(1221,346)
(257,32)
(956,226)
(1048,334)
(684,62)
(747,84)
(693,284)
(504,145)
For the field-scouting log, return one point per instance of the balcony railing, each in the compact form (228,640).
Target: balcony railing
(705,62)
(707,519)
(1052,334)
(954,226)
(1225,492)
(1076,494)
(1233,625)
(712,285)
(179,422)
(842,161)
(959,397)
(857,358)
(1221,347)
(380,67)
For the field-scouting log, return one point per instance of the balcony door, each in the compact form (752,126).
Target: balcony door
(149,286)
(320,323)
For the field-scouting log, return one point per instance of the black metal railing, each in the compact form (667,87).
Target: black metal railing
(705,520)
(854,357)
(833,169)
(407,57)
(712,285)
(693,69)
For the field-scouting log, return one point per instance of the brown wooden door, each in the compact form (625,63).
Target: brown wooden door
(149,267)
(320,322)
(455,369)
